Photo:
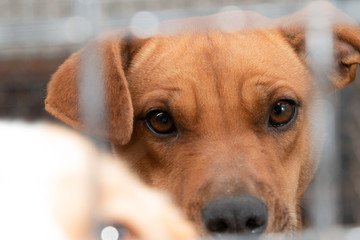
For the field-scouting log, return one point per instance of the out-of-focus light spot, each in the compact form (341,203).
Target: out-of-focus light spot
(229,9)
(144,24)
(353,234)
(86,1)
(230,22)
(78,29)
(109,233)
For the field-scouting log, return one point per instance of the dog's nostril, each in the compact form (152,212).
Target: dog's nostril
(217,226)
(236,215)
(254,223)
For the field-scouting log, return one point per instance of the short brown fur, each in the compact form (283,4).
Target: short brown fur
(219,87)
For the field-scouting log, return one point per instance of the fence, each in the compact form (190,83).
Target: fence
(36,36)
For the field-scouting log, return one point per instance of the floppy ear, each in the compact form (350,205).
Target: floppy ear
(112,54)
(346,40)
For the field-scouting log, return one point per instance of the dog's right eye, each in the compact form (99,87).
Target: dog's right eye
(282,113)
(160,122)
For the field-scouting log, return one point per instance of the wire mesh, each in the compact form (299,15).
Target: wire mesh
(36,36)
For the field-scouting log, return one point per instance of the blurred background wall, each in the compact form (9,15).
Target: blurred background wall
(36,36)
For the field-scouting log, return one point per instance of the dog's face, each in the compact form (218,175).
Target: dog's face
(213,130)
(221,121)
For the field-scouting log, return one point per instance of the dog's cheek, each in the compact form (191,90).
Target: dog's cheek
(280,169)
(145,154)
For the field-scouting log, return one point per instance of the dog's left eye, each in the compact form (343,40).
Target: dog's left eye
(282,113)
(160,122)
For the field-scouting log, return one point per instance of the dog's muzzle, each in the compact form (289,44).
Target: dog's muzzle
(235,215)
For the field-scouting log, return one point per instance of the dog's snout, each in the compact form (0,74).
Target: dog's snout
(235,215)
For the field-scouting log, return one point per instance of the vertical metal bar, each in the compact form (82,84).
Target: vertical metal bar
(319,42)
(92,101)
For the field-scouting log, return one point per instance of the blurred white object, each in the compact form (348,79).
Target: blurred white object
(55,184)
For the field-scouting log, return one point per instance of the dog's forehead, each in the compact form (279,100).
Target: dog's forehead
(221,60)
(209,77)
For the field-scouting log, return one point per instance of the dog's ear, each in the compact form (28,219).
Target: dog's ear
(110,55)
(346,39)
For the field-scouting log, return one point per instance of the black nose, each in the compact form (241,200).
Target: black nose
(236,215)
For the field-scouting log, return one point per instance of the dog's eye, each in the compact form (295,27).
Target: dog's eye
(160,122)
(282,113)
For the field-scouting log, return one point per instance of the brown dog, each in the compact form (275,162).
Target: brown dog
(221,120)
